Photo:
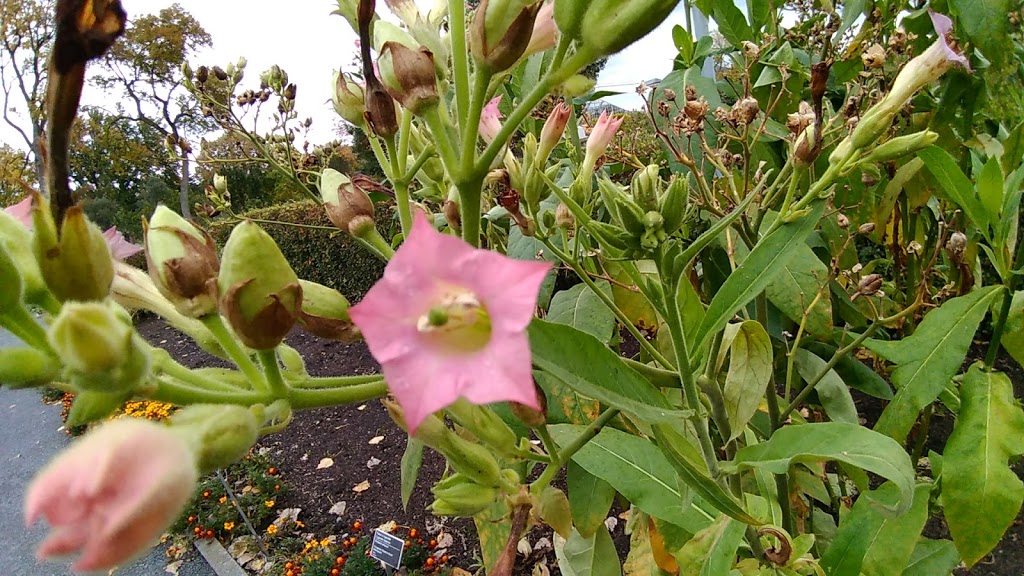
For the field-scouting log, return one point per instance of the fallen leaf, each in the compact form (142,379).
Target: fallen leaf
(361,407)
(362,486)
(325,463)
(372,462)
(459,572)
(524,547)
(388,526)
(444,540)
(256,564)
(376,440)
(541,570)
(610,523)
(338,509)
(173,567)
(543,544)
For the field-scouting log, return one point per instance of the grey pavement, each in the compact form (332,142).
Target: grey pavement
(30,435)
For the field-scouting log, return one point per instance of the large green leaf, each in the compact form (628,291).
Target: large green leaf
(798,283)
(711,551)
(986,25)
(927,359)
(492,530)
(593,556)
(412,461)
(981,495)
(582,309)
(763,264)
(565,405)
(637,469)
(990,188)
(1013,332)
(870,543)
(731,23)
(832,391)
(590,498)
(932,558)
(847,443)
(956,185)
(750,369)
(854,373)
(586,365)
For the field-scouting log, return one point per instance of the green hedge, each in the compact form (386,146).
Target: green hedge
(327,257)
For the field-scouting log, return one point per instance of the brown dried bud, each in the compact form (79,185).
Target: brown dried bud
(664,109)
(289,92)
(746,110)
(564,217)
(409,76)
(866,228)
(344,200)
(696,109)
(530,416)
(669,94)
(798,121)
(452,215)
(869,285)
(874,56)
(182,260)
(202,74)
(842,221)
(868,179)
(220,73)
(690,92)
(380,111)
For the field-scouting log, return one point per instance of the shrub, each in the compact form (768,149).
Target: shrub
(319,255)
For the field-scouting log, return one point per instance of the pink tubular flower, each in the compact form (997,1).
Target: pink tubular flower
(545,32)
(930,65)
(554,126)
(448,321)
(600,137)
(120,248)
(490,120)
(112,493)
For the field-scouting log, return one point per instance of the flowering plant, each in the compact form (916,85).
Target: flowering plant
(698,360)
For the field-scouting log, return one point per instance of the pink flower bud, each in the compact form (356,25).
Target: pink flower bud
(490,120)
(553,129)
(545,32)
(600,137)
(112,493)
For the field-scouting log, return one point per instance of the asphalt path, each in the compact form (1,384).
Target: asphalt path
(31,434)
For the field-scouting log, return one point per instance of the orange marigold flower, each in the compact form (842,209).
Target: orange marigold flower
(272,529)
(229,526)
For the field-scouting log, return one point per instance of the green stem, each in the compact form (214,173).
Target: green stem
(1012,283)
(272,370)
(375,243)
(460,56)
(302,398)
(404,135)
(234,350)
(182,394)
(471,128)
(572,448)
(657,376)
(22,324)
(443,142)
(164,363)
(410,174)
(781,480)
(335,381)
(382,158)
(549,444)
(469,206)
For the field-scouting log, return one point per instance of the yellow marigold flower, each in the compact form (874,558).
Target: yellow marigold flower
(272,529)
(325,542)
(223,499)
(229,526)
(269,503)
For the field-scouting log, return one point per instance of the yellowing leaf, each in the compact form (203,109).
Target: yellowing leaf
(361,487)
(325,463)
(376,440)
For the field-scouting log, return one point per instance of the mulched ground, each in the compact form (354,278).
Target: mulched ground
(344,434)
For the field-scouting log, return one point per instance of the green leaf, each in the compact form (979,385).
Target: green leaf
(492,529)
(932,558)
(1013,149)
(731,23)
(636,468)
(847,443)
(750,369)
(798,283)
(580,308)
(711,551)
(870,543)
(640,559)
(928,358)
(674,445)
(854,373)
(760,12)
(852,10)
(683,41)
(1013,332)
(832,391)
(565,405)
(586,365)
(769,75)
(957,187)
(590,498)
(981,494)
(593,556)
(990,188)
(412,460)
(757,271)
(986,25)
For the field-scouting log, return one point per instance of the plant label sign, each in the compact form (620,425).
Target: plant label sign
(387,548)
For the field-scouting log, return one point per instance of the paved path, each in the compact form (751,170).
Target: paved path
(29,437)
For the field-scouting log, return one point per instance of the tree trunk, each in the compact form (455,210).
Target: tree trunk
(183,189)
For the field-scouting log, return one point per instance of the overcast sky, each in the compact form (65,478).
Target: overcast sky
(306,40)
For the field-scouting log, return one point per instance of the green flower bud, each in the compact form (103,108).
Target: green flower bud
(608,26)
(16,240)
(218,434)
(900,146)
(344,201)
(325,313)
(673,204)
(262,297)
(408,76)
(12,288)
(76,264)
(501,31)
(569,16)
(90,406)
(645,187)
(182,261)
(90,338)
(290,357)
(483,423)
(348,99)
(463,499)
(26,368)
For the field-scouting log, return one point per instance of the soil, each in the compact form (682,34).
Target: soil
(344,435)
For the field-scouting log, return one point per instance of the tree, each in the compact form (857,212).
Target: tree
(145,65)
(26,33)
(15,171)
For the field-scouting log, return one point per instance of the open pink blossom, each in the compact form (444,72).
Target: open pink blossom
(112,493)
(600,137)
(119,247)
(490,120)
(545,32)
(448,320)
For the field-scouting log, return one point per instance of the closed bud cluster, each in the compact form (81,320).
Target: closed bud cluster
(868,286)
(460,496)
(261,295)
(896,148)
(76,264)
(97,343)
(483,423)
(182,260)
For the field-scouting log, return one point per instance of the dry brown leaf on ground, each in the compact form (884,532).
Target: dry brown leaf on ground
(376,440)
(325,463)
(361,487)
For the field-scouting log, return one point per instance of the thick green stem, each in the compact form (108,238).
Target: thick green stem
(460,56)
(22,324)
(469,207)
(375,243)
(1012,283)
(302,398)
(471,128)
(443,142)
(181,394)
(272,370)
(234,350)
(164,363)
(335,381)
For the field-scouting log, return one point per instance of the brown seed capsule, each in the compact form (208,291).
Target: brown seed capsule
(669,94)
(866,228)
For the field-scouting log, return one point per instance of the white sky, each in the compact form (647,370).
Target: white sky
(308,42)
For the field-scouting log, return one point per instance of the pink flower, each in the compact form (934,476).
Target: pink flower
(490,120)
(600,137)
(22,212)
(545,32)
(944,28)
(112,493)
(120,248)
(448,321)
(554,126)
